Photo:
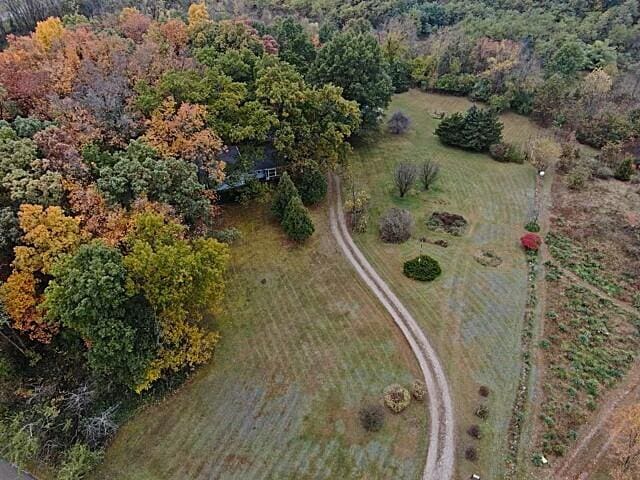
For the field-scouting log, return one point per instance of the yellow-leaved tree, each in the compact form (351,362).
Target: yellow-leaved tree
(48,31)
(49,235)
(183,280)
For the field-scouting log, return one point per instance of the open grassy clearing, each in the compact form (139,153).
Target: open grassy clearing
(472,312)
(304,346)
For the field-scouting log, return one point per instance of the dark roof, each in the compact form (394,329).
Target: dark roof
(231,156)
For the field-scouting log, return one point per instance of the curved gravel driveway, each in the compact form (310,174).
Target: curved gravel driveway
(441,442)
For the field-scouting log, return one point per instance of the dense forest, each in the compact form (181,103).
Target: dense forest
(113,124)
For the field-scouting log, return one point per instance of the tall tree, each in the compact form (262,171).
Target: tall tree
(294,44)
(182,280)
(285,192)
(88,295)
(353,60)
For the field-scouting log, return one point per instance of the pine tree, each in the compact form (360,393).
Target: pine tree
(311,183)
(296,222)
(285,192)
(450,129)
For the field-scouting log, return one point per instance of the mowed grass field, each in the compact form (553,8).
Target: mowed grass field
(304,345)
(472,313)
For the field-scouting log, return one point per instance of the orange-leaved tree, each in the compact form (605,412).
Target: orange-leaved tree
(49,235)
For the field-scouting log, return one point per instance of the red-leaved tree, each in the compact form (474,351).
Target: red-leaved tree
(531,242)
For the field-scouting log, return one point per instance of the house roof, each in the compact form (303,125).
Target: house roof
(231,156)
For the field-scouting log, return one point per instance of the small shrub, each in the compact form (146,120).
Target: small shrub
(471,454)
(399,123)
(396,226)
(78,462)
(405,177)
(474,431)
(429,172)
(422,268)
(603,172)
(357,208)
(484,391)
(371,418)
(498,151)
(531,242)
(227,235)
(624,170)
(418,390)
(482,412)
(488,258)
(532,226)
(396,397)
(578,177)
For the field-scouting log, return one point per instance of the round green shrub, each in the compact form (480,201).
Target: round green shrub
(422,268)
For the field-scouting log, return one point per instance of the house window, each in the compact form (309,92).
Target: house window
(270,173)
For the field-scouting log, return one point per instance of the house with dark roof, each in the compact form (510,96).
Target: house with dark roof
(239,169)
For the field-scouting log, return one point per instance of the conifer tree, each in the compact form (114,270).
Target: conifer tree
(285,192)
(297,222)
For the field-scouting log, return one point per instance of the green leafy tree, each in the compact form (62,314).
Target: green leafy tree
(353,61)
(88,295)
(294,45)
(311,183)
(311,123)
(139,170)
(297,222)
(569,59)
(285,192)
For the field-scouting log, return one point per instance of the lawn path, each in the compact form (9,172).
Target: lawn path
(441,449)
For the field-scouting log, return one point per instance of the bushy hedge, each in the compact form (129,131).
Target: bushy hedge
(422,268)
(461,84)
(506,152)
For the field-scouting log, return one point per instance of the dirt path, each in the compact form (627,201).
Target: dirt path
(9,472)
(441,449)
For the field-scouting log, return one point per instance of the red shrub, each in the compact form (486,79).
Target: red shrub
(531,241)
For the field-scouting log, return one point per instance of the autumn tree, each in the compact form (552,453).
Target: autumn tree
(541,151)
(133,24)
(48,31)
(158,262)
(48,235)
(88,295)
(182,132)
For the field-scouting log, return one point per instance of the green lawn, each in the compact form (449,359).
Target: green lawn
(473,313)
(304,345)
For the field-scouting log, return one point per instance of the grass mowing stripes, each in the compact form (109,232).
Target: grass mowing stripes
(304,346)
(473,313)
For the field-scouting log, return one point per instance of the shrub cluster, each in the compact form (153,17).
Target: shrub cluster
(447,222)
(422,268)
(506,152)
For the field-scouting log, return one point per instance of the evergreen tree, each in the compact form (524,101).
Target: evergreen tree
(475,130)
(296,222)
(285,192)
(450,129)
